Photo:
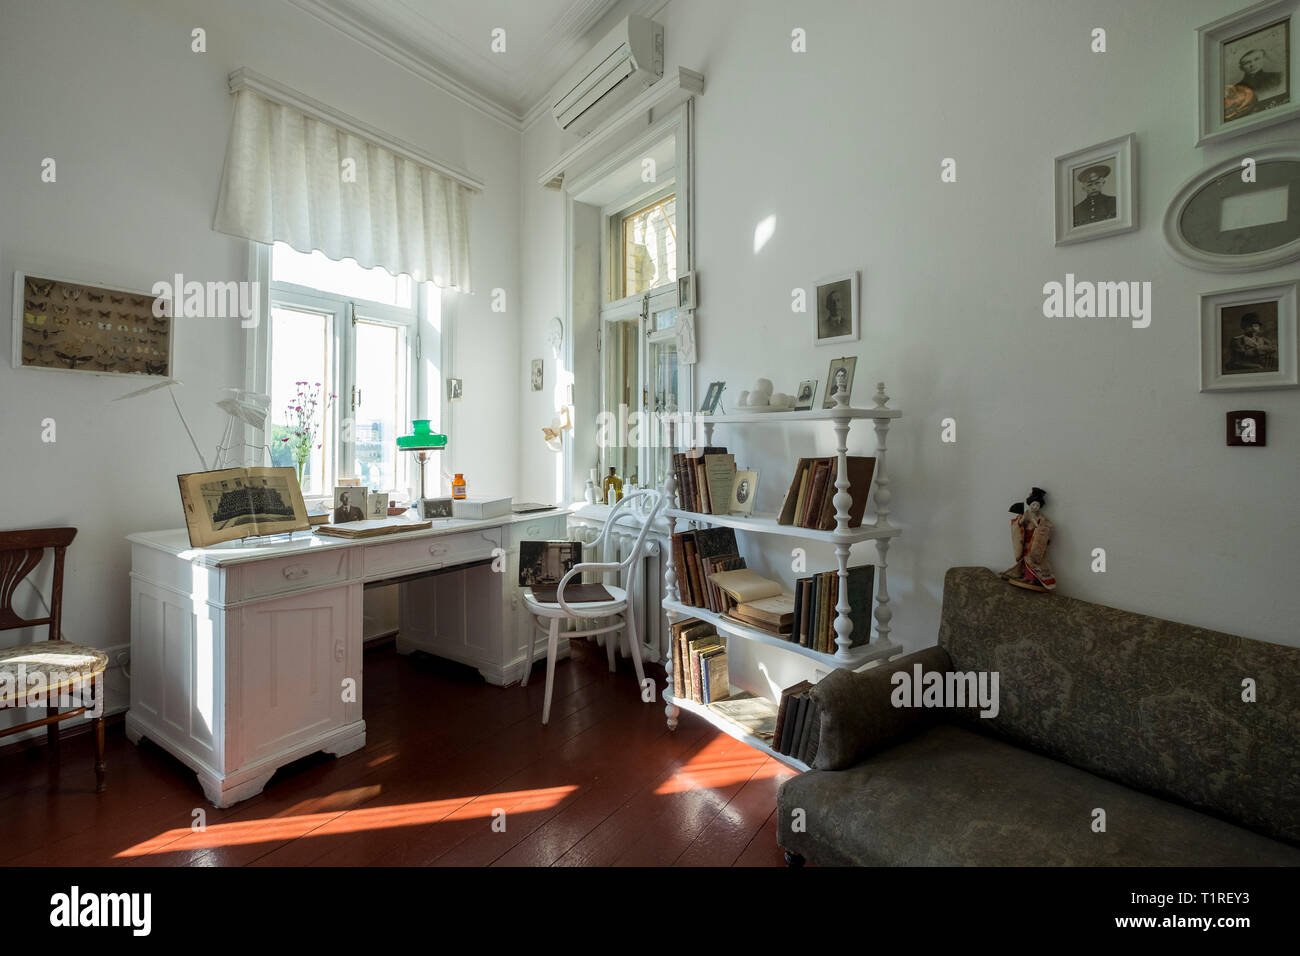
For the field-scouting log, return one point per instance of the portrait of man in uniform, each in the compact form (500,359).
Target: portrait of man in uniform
(1093,203)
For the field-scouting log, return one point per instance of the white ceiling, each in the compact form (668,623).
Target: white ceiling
(449,42)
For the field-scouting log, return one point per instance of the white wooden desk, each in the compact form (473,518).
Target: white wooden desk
(246,657)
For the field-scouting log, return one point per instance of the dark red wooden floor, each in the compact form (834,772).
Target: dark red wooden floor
(605,784)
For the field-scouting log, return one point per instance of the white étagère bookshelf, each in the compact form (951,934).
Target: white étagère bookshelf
(879,646)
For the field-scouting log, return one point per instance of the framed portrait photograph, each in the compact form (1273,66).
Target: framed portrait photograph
(1238,215)
(743,490)
(712,398)
(377,505)
(536,376)
(1096,191)
(435,508)
(839,378)
(837,310)
(454,389)
(805,395)
(350,504)
(1247,70)
(1248,339)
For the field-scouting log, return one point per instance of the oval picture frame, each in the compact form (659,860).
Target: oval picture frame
(1219,221)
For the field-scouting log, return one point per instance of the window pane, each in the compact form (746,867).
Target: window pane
(622,388)
(380,409)
(300,388)
(664,397)
(650,247)
(342,277)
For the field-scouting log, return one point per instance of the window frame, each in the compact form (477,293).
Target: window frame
(343,312)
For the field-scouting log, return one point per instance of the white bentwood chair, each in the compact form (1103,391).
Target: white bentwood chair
(549,614)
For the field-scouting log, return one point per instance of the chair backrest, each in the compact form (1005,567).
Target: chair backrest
(20,553)
(658,500)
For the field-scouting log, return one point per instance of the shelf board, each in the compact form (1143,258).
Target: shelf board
(858,656)
(810,415)
(738,732)
(766,524)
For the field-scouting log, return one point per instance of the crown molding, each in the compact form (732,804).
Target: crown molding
(380,44)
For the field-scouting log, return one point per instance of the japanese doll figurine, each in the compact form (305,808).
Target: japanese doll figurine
(1030,534)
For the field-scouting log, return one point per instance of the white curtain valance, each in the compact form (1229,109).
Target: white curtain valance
(285,180)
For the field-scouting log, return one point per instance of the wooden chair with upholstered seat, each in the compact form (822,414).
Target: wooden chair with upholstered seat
(54,673)
(619,613)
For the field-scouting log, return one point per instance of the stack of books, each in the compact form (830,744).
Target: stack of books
(810,502)
(797,729)
(697,556)
(699,662)
(814,608)
(705,477)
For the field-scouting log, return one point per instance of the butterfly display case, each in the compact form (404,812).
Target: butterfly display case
(69,326)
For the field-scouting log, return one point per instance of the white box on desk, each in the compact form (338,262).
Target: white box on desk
(480,507)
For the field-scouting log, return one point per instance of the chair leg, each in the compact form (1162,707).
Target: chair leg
(532,651)
(100,786)
(611,645)
(52,731)
(552,651)
(634,642)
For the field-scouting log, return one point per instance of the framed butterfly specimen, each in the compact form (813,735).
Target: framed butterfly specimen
(44,305)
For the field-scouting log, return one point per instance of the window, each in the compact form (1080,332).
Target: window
(639,334)
(343,340)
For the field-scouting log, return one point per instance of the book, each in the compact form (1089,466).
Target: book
(784,723)
(809,721)
(719,478)
(772,614)
(689,643)
(574,593)
(744,585)
(793,727)
(693,570)
(241,503)
(697,648)
(714,679)
(755,714)
(683,632)
(810,500)
(372,528)
(712,544)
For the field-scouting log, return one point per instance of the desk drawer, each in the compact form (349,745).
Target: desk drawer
(431,552)
(249,582)
(552,527)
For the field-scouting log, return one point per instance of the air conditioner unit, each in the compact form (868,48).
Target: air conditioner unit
(615,70)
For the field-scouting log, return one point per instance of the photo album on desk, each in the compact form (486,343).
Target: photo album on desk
(241,502)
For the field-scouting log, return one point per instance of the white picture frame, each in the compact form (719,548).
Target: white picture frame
(376,505)
(1224,318)
(1096,191)
(743,491)
(1219,94)
(1195,237)
(829,327)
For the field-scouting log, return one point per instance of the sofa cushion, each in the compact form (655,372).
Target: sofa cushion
(1153,704)
(952,797)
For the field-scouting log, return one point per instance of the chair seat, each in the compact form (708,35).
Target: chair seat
(52,659)
(582,608)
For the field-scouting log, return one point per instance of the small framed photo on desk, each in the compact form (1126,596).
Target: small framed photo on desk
(435,508)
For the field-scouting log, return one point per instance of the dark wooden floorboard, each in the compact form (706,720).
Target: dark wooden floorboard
(446,756)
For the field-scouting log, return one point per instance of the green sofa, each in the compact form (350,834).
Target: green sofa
(1099,710)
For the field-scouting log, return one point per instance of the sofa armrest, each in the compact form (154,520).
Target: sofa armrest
(856,715)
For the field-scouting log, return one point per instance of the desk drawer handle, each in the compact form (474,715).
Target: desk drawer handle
(296,573)
(533,530)
(437,550)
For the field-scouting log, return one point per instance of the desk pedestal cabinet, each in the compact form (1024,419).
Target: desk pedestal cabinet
(245,658)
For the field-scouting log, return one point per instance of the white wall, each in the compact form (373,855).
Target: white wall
(842,145)
(137,124)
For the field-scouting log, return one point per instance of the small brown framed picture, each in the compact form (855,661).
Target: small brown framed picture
(1247,428)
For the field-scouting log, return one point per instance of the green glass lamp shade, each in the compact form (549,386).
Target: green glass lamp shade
(422,436)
